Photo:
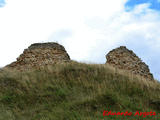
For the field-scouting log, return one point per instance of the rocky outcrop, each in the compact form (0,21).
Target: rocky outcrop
(40,54)
(122,58)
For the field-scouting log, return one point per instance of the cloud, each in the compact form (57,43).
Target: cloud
(26,21)
(137,29)
(87,28)
(154,4)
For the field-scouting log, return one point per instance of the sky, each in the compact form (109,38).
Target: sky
(88,29)
(154,4)
(2,3)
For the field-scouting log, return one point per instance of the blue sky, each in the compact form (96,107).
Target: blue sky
(154,4)
(141,48)
(2,2)
(88,34)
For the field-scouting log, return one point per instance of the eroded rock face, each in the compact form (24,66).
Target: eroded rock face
(123,58)
(40,54)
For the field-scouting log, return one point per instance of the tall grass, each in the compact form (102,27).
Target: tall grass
(75,91)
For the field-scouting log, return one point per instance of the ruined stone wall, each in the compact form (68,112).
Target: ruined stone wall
(40,54)
(123,58)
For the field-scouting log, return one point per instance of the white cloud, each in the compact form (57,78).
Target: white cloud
(27,21)
(87,28)
(138,29)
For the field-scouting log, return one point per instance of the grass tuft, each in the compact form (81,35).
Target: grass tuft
(75,91)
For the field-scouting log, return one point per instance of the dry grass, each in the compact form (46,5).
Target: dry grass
(79,91)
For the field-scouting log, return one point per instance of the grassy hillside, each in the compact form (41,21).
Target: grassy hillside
(75,91)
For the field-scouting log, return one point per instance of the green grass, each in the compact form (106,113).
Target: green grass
(75,91)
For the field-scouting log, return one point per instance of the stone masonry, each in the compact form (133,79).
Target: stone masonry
(40,54)
(122,58)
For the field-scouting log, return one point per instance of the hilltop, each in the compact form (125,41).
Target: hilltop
(74,91)
(69,90)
